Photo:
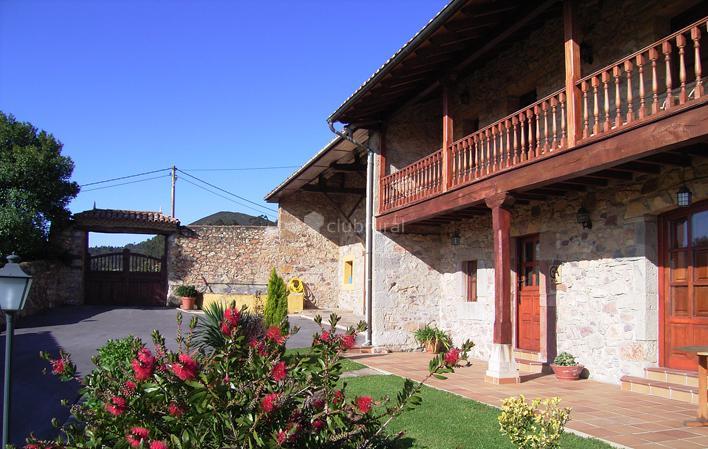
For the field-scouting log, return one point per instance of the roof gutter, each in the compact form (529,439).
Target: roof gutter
(440,18)
(369,221)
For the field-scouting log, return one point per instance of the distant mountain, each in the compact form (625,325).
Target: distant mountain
(226,218)
(154,246)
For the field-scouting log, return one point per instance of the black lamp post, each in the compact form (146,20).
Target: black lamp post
(14,289)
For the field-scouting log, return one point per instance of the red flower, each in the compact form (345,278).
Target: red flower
(338,397)
(226,328)
(143,365)
(185,368)
(318,424)
(58,366)
(348,341)
(116,406)
(232,316)
(158,445)
(279,371)
(129,387)
(268,402)
(273,334)
(175,410)
(281,437)
(137,435)
(324,337)
(363,403)
(452,356)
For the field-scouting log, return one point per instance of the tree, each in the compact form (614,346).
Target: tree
(276,308)
(35,187)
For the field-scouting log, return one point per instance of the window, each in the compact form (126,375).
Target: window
(469,269)
(348,272)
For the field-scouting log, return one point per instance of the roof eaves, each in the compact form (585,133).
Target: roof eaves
(445,13)
(332,143)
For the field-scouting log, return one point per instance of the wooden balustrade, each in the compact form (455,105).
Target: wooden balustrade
(533,132)
(414,182)
(654,79)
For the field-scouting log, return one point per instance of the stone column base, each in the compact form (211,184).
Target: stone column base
(501,368)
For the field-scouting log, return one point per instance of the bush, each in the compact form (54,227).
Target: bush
(210,333)
(565,359)
(276,308)
(538,425)
(433,334)
(186,291)
(246,394)
(115,355)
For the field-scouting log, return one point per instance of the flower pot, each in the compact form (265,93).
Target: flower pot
(567,372)
(433,346)
(187,303)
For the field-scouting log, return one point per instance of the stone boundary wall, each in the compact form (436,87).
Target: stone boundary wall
(309,242)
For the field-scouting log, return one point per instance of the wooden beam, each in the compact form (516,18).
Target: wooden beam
(334,190)
(678,160)
(588,181)
(638,167)
(572,71)
(612,174)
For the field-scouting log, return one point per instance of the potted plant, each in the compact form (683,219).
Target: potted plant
(433,339)
(566,367)
(188,295)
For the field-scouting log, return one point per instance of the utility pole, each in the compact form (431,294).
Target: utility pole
(174,182)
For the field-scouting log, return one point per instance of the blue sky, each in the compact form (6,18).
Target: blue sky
(135,86)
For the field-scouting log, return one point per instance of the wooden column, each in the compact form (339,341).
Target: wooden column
(447,124)
(572,71)
(501,224)
(383,165)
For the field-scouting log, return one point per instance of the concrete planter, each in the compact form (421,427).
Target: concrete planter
(567,372)
(187,303)
(433,346)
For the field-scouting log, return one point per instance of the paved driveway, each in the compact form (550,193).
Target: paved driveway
(80,331)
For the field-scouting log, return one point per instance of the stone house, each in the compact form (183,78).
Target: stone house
(539,185)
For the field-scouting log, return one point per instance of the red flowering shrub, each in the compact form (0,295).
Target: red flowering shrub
(245,393)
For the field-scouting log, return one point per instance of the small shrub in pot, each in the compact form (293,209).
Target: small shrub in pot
(566,367)
(188,295)
(433,339)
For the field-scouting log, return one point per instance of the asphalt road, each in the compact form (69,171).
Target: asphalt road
(80,330)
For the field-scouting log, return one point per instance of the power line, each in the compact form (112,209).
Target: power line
(244,168)
(220,195)
(125,183)
(124,177)
(227,192)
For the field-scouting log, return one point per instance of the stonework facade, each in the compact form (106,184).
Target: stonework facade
(311,241)
(604,306)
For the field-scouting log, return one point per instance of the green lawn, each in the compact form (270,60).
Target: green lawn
(347,364)
(447,421)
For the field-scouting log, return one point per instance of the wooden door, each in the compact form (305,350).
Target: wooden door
(528,312)
(684,248)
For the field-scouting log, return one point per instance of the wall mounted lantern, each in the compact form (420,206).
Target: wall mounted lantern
(14,288)
(583,218)
(683,197)
(456,239)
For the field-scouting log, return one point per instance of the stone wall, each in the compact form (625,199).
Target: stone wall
(57,281)
(604,308)
(309,242)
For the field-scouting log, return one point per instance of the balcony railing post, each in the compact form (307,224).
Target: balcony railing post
(572,72)
(447,137)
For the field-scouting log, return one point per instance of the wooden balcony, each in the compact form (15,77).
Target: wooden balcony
(661,82)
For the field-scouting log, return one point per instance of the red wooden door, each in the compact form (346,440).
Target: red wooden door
(685,293)
(528,312)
